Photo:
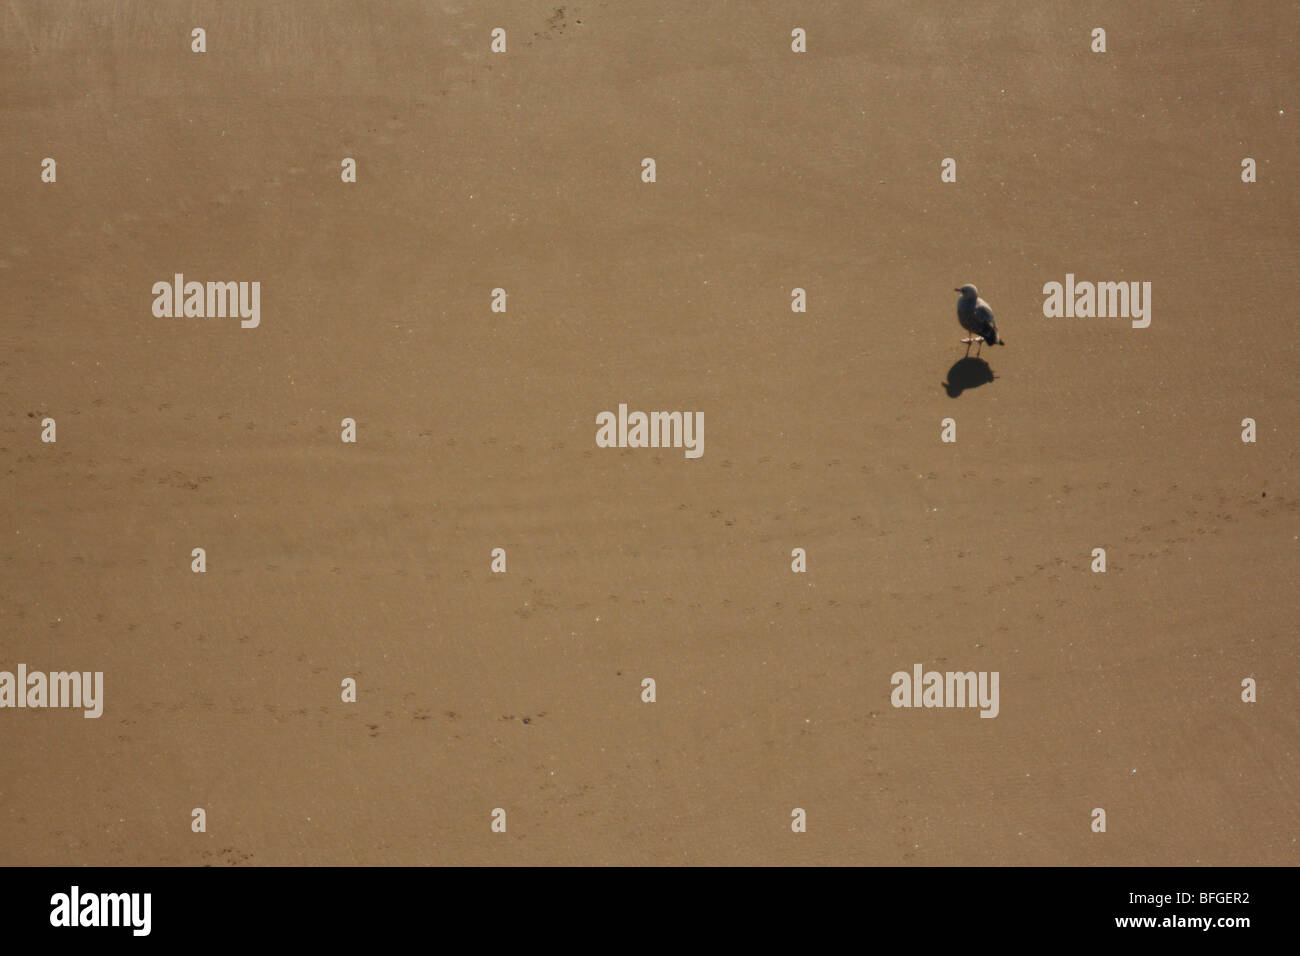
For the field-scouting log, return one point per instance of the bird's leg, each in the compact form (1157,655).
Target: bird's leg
(967,341)
(980,349)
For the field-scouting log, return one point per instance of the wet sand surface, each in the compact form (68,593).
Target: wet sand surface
(476,430)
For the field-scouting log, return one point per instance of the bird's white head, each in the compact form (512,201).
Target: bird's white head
(968,291)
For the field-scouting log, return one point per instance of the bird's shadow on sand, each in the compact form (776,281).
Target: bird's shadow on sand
(967,372)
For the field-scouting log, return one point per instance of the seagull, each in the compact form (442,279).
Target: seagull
(976,317)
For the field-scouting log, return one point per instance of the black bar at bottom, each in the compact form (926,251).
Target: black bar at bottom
(615,907)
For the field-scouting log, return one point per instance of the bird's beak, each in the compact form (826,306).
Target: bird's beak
(956,290)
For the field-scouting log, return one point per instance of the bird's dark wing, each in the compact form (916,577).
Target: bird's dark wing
(984,319)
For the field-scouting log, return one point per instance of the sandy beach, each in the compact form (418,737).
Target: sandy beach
(774,171)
